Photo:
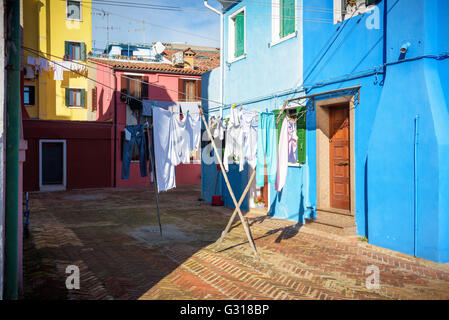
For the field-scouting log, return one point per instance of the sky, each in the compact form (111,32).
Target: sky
(191,23)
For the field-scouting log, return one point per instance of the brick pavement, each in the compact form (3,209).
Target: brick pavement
(112,236)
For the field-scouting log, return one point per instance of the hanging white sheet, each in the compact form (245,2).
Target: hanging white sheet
(164,151)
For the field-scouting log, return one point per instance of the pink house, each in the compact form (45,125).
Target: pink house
(166,83)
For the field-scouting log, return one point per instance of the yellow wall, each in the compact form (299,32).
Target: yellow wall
(46,29)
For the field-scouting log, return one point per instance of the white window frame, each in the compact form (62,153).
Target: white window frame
(276,23)
(67,10)
(339,10)
(231,36)
(62,186)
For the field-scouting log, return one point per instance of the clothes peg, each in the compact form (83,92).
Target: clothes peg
(234,105)
(241,107)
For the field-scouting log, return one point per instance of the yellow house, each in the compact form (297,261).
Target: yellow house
(57,34)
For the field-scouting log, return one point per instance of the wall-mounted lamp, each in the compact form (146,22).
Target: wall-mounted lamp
(404,47)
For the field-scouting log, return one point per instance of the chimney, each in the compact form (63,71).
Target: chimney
(189,58)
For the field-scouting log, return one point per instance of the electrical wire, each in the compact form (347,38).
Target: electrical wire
(41,55)
(376,70)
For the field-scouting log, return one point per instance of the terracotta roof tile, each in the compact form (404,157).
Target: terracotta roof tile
(203,61)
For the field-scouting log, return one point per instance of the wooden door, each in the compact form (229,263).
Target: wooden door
(339,158)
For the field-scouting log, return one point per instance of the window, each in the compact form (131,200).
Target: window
(75,98)
(283,20)
(75,50)
(189,89)
(126,53)
(28,95)
(237,35)
(135,86)
(73,10)
(345,9)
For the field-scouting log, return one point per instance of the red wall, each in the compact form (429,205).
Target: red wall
(89,152)
(166,90)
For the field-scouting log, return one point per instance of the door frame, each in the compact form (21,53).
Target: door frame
(322,151)
(62,186)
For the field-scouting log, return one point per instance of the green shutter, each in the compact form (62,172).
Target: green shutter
(279,124)
(82,51)
(83,98)
(66,48)
(32,95)
(239,34)
(288,17)
(301,133)
(67,97)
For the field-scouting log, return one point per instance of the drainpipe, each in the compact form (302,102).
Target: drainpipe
(385,40)
(416,187)
(221,53)
(115,129)
(12,149)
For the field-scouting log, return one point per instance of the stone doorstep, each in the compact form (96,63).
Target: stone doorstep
(338,222)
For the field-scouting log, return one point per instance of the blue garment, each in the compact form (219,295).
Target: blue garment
(266,148)
(137,135)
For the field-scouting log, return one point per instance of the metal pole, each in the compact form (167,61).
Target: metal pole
(155,187)
(12,150)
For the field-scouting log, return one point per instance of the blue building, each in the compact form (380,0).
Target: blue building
(374,77)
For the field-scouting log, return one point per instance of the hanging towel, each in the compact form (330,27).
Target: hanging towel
(266,148)
(146,108)
(282,165)
(217,128)
(192,107)
(292,141)
(180,140)
(234,141)
(163,149)
(194,130)
(248,122)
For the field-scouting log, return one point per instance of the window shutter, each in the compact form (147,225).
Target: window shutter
(239,34)
(67,97)
(288,17)
(198,90)
(279,124)
(67,49)
(181,90)
(82,51)
(83,98)
(94,99)
(301,133)
(145,87)
(123,83)
(32,95)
